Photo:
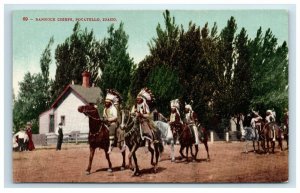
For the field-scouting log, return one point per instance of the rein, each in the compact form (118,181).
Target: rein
(90,116)
(97,133)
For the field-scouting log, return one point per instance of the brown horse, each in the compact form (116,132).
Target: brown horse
(98,136)
(268,135)
(186,141)
(133,140)
(203,138)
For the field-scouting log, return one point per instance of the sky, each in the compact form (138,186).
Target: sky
(30,37)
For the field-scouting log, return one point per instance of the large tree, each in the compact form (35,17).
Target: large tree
(118,64)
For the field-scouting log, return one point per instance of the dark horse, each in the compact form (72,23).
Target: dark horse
(268,136)
(98,136)
(187,140)
(133,140)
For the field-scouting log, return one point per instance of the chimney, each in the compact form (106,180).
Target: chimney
(86,79)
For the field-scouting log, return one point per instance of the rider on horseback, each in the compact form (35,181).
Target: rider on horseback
(270,118)
(175,120)
(191,120)
(143,114)
(110,114)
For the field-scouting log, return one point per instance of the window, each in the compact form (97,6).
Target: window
(63,120)
(51,124)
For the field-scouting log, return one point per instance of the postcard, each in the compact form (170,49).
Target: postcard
(150,96)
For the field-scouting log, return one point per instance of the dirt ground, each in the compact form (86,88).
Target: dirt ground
(228,163)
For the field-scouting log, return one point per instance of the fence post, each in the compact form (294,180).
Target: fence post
(211,136)
(227,136)
(76,138)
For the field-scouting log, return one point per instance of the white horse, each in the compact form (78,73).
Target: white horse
(166,136)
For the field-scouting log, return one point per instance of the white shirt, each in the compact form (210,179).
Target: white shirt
(269,118)
(111,113)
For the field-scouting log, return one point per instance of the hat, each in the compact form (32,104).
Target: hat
(29,123)
(175,103)
(146,94)
(269,111)
(113,96)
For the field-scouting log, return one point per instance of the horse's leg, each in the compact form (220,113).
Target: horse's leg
(180,151)
(92,152)
(137,170)
(268,146)
(151,150)
(156,156)
(172,151)
(207,151)
(196,152)
(123,163)
(108,159)
(133,149)
(187,153)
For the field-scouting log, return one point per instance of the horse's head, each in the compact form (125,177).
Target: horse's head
(126,119)
(89,110)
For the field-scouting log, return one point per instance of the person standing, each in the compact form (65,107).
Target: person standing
(30,145)
(22,139)
(60,137)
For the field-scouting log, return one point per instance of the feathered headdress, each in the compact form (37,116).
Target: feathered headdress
(147,95)
(113,96)
(189,106)
(175,103)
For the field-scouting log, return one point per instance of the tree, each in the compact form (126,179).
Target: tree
(241,83)
(45,62)
(30,102)
(118,64)
(162,81)
(78,53)
(269,65)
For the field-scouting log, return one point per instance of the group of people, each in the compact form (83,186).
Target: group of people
(22,140)
(146,118)
(256,120)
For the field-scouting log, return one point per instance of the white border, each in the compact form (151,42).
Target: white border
(5,92)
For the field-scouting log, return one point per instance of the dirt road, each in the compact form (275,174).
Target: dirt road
(228,164)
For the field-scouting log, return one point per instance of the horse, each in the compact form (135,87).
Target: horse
(134,141)
(258,134)
(268,135)
(98,136)
(203,138)
(250,135)
(166,136)
(186,141)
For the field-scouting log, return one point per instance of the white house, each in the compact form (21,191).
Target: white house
(64,109)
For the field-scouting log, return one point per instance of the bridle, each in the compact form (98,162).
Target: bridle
(128,133)
(86,112)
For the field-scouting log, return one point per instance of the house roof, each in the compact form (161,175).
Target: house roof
(88,95)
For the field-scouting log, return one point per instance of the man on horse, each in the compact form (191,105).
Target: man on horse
(110,114)
(142,111)
(270,118)
(191,120)
(175,120)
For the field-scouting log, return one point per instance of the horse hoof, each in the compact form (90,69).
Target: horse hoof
(122,168)
(173,160)
(109,170)
(137,173)
(87,173)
